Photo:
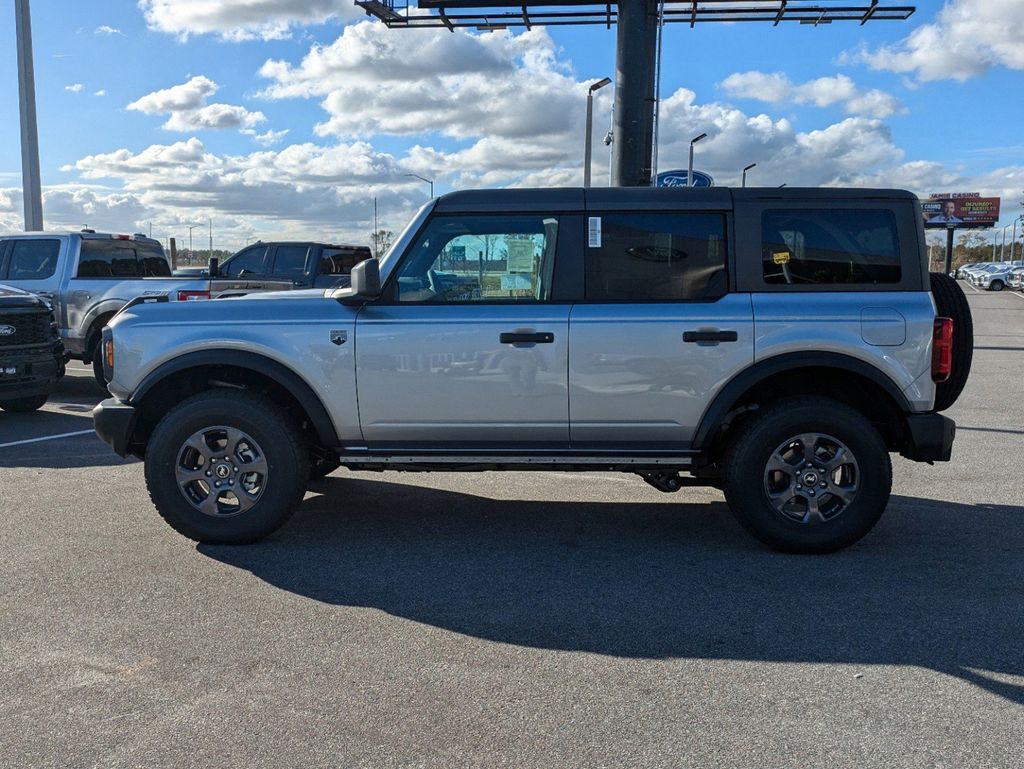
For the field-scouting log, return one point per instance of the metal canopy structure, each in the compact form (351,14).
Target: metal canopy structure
(637,23)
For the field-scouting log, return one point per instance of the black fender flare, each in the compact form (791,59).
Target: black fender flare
(716,414)
(261,364)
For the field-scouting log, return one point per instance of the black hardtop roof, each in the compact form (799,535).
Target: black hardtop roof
(578,199)
(307,243)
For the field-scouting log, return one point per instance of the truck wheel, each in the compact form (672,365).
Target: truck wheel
(951,303)
(226,467)
(97,364)
(997,285)
(24,405)
(807,475)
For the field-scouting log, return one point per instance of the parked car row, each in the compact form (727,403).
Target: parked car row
(87,277)
(992,276)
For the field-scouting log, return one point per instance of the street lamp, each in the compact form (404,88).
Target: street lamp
(590,127)
(428,181)
(193,227)
(752,165)
(689,168)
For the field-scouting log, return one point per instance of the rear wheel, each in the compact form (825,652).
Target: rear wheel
(997,285)
(951,303)
(807,475)
(226,467)
(24,405)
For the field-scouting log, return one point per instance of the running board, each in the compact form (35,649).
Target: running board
(365,458)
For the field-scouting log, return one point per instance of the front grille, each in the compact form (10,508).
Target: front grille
(30,328)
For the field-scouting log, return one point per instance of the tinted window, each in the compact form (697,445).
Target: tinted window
(152,260)
(32,259)
(655,257)
(290,261)
(108,259)
(251,260)
(481,258)
(830,247)
(340,261)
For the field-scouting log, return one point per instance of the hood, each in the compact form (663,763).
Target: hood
(15,297)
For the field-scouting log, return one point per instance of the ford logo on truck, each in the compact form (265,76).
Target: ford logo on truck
(7,330)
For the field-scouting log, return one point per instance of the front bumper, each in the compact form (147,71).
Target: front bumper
(929,438)
(30,372)
(114,422)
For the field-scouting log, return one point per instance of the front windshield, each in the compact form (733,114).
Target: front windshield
(402,241)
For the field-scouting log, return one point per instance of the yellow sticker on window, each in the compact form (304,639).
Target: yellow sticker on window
(781,257)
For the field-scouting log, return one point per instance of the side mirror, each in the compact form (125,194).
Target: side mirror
(365,282)
(214,267)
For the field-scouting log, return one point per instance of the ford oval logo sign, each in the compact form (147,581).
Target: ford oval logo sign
(7,330)
(679,178)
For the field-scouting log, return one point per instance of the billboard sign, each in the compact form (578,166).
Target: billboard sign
(678,179)
(960,210)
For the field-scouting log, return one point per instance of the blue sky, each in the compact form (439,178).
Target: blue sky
(301,149)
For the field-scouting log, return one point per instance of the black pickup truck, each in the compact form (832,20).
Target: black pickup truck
(31,352)
(282,266)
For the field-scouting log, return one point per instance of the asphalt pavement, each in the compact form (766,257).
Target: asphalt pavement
(514,620)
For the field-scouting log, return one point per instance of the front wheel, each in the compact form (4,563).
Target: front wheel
(226,467)
(97,364)
(807,475)
(24,405)
(997,285)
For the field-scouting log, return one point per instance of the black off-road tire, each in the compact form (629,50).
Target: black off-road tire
(273,430)
(24,405)
(746,462)
(951,303)
(97,364)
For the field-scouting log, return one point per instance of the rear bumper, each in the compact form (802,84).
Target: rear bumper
(114,422)
(929,438)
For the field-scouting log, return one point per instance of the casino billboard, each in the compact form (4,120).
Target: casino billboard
(960,210)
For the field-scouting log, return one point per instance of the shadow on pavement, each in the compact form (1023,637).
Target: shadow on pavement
(937,586)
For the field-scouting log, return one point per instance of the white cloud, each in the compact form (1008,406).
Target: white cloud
(74,88)
(101,92)
(460,84)
(967,38)
(107,31)
(237,20)
(777,88)
(268,138)
(187,107)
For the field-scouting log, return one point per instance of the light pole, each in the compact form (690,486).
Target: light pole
(31,185)
(1002,251)
(752,165)
(428,181)
(588,140)
(689,168)
(192,227)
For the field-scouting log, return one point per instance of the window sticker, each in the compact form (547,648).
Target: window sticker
(781,257)
(594,231)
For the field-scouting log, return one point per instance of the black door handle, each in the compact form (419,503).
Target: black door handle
(524,337)
(712,336)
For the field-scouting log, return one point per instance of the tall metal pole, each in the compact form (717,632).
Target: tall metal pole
(636,52)
(588,139)
(31,187)
(1013,240)
(949,249)
(752,165)
(689,168)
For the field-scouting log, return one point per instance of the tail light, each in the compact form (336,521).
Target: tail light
(942,350)
(192,296)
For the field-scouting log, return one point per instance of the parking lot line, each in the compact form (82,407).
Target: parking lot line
(46,438)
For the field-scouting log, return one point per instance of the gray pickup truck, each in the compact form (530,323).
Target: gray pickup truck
(776,344)
(87,277)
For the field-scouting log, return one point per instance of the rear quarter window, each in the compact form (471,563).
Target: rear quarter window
(830,247)
(30,259)
(108,259)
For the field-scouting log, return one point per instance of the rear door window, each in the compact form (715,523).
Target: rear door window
(152,260)
(108,259)
(30,259)
(830,247)
(655,257)
(290,262)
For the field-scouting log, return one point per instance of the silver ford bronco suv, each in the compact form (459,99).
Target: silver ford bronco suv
(777,344)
